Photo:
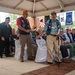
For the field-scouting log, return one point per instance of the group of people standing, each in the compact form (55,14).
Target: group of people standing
(52,30)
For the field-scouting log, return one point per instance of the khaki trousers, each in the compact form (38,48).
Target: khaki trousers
(25,39)
(34,49)
(52,44)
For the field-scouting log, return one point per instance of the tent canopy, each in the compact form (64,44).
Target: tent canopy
(36,7)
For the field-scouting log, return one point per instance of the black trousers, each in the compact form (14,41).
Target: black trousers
(4,45)
(64,51)
(1,47)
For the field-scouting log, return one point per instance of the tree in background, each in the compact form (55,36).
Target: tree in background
(13,18)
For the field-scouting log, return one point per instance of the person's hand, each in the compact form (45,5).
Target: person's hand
(67,43)
(62,44)
(28,31)
(2,38)
(38,37)
(61,38)
(57,37)
(73,42)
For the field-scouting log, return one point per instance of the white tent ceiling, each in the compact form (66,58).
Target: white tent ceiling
(36,7)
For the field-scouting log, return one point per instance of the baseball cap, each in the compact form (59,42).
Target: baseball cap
(53,13)
(25,12)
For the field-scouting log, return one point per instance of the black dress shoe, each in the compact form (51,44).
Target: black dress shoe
(32,59)
(49,62)
(1,56)
(66,61)
(58,63)
(21,60)
(9,56)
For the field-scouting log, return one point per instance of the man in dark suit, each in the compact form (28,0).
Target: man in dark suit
(5,32)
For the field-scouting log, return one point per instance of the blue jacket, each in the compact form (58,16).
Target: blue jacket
(49,26)
(66,38)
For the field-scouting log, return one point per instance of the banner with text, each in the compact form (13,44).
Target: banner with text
(69,20)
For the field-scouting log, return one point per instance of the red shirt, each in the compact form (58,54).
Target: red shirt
(18,22)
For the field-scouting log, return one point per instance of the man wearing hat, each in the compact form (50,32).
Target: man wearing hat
(53,27)
(5,32)
(24,31)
